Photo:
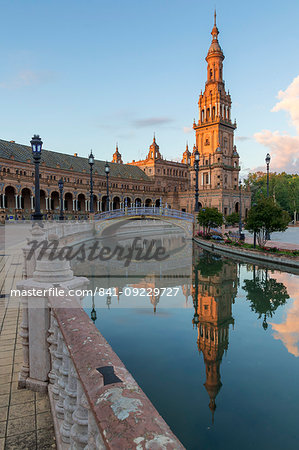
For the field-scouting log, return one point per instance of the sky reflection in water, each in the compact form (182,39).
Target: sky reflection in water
(220,361)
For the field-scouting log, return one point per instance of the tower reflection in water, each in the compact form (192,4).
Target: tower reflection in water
(214,289)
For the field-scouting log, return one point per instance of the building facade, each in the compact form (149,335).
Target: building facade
(149,182)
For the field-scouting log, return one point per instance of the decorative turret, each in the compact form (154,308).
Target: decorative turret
(117,156)
(186,156)
(154,152)
(215,57)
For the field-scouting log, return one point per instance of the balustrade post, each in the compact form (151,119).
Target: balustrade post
(52,340)
(24,333)
(70,398)
(95,440)
(79,431)
(62,373)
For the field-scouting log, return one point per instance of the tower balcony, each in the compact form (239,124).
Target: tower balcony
(213,121)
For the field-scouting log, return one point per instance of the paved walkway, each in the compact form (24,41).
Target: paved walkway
(25,417)
(278,244)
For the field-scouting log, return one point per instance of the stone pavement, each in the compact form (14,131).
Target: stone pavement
(25,417)
(278,244)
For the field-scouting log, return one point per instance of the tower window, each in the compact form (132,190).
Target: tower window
(211,73)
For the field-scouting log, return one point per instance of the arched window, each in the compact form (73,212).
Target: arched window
(211,74)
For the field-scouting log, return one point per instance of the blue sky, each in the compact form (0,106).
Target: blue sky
(85,74)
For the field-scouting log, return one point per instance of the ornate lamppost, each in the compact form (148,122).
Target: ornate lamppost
(107,171)
(60,185)
(91,163)
(240,209)
(254,233)
(196,167)
(268,159)
(36,146)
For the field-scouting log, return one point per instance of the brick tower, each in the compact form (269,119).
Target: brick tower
(219,160)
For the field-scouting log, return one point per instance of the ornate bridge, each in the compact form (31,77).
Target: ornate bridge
(174,217)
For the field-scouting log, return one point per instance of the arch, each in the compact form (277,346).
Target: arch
(81,203)
(42,197)
(138,201)
(104,203)
(26,199)
(157,203)
(10,193)
(213,113)
(68,201)
(199,205)
(95,202)
(148,202)
(237,207)
(55,206)
(128,202)
(102,226)
(116,203)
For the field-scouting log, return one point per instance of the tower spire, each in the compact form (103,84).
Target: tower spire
(215,17)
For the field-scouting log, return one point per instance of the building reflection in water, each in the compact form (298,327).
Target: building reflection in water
(214,289)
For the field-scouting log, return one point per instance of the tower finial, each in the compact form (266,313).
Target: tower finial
(215,17)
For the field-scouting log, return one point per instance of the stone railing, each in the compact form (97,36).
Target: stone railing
(95,401)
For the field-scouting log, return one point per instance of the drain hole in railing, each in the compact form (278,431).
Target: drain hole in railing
(109,375)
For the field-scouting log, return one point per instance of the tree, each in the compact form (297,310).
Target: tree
(209,217)
(266,216)
(283,188)
(232,219)
(208,264)
(265,295)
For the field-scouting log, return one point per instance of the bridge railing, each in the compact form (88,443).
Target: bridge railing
(145,211)
(95,402)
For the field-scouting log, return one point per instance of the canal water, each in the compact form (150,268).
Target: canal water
(216,351)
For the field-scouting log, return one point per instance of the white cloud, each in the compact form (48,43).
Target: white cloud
(27,78)
(187,129)
(284,148)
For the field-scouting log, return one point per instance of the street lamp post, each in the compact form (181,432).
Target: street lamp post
(240,208)
(268,159)
(196,167)
(107,171)
(36,145)
(60,185)
(254,233)
(91,163)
